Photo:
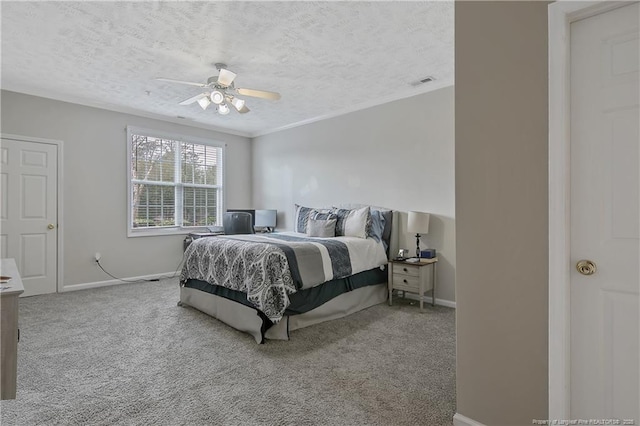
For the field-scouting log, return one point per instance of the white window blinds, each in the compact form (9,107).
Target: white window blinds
(174,183)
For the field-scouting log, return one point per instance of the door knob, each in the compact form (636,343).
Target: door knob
(51,226)
(586,267)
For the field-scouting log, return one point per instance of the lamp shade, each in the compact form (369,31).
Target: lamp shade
(418,223)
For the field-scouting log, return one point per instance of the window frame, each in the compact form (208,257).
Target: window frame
(176,229)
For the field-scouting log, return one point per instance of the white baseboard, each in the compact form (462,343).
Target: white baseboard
(96,284)
(442,302)
(460,420)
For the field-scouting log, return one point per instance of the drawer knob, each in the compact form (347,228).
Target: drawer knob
(404,269)
(404,281)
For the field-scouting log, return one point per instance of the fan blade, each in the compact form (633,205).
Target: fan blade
(259,94)
(244,110)
(226,77)
(169,80)
(193,99)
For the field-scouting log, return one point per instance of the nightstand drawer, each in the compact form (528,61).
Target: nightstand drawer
(405,269)
(406,282)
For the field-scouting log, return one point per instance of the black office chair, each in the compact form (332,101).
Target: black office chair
(237,223)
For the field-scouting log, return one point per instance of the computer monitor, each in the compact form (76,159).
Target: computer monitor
(238,223)
(253,214)
(265,219)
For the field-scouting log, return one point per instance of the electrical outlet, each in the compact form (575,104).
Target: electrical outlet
(98,256)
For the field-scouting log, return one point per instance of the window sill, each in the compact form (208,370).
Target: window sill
(158,232)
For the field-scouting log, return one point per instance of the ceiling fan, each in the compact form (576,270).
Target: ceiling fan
(220,90)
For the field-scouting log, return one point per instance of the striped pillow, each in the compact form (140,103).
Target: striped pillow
(353,222)
(301,217)
(321,215)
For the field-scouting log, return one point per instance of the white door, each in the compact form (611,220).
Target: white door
(605,218)
(28,225)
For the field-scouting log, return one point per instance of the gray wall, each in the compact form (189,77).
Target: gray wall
(95,184)
(501,211)
(398,155)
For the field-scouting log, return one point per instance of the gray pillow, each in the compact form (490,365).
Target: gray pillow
(377,225)
(321,228)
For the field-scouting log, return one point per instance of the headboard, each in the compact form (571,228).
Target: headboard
(394,241)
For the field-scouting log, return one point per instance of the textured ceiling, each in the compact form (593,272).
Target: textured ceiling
(324,58)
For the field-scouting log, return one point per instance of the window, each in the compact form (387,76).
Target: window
(175,183)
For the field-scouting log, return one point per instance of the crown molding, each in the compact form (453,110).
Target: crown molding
(430,87)
(121,109)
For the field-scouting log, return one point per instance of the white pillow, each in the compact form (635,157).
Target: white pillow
(353,223)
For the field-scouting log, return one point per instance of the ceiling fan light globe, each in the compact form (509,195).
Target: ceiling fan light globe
(238,104)
(204,102)
(217,97)
(226,77)
(223,109)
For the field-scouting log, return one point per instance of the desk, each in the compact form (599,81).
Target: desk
(9,328)
(196,235)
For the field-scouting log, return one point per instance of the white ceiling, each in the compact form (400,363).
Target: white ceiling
(324,58)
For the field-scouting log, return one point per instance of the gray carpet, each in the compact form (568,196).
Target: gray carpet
(128,355)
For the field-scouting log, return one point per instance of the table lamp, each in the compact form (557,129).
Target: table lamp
(418,223)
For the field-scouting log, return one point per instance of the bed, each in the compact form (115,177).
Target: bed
(268,285)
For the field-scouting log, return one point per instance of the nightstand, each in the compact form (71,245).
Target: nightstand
(413,277)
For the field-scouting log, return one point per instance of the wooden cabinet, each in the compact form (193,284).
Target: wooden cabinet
(9,293)
(418,277)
